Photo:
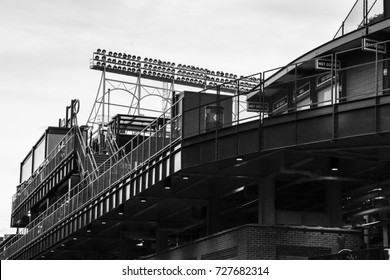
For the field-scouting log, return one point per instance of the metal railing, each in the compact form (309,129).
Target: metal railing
(144,146)
(111,144)
(62,150)
(327,85)
(363,13)
(86,160)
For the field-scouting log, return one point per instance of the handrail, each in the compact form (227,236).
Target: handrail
(365,12)
(144,146)
(88,189)
(86,155)
(111,143)
(343,23)
(59,153)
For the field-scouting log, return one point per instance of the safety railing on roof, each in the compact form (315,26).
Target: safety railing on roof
(328,84)
(144,146)
(61,151)
(363,13)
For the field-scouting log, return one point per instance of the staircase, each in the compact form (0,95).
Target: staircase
(101,162)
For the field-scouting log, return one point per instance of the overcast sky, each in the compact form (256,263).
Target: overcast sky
(46,45)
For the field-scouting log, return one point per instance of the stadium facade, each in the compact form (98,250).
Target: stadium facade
(290,163)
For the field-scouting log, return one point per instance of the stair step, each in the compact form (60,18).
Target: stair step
(100,160)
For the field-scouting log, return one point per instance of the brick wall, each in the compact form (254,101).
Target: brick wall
(267,242)
(299,242)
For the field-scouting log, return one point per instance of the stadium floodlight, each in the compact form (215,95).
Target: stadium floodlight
(157,69)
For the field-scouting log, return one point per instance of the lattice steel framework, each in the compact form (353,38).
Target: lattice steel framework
(147,81)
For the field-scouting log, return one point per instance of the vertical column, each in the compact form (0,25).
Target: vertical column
(266,206)
(366,232)
(334,204)
(161,240)
(124,247)
(213,216)
(386,236)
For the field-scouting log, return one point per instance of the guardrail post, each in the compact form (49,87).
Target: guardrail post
(333,99)
(376,90)
(295,102)
(365,14)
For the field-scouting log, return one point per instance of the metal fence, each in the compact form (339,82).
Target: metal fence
(305,85)
(325,81)
(61,151)
(301,88)
(149,142)
(363,13)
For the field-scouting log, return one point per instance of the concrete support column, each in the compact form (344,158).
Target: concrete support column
(123,248)
(334,196)
(266,206)
(385,235)
(213,216)
(161,240)
(366,232)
